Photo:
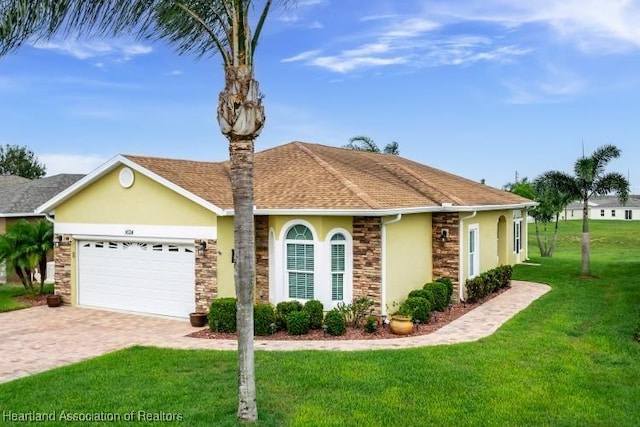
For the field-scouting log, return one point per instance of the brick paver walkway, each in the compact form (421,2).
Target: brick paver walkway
(42,338)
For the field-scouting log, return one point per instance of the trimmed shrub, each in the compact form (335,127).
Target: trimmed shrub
(282,310)
(335,323)
(505,273)
(439,295)
(448,283)
(316,313)
(418,307)
(298,322)
(222,315)
(371,325)
(420,293)
(488,282)
(263,317)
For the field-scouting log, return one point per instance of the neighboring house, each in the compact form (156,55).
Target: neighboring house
(155,235)
(607,207)
(19,198)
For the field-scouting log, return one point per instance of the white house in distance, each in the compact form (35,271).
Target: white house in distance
(607,207)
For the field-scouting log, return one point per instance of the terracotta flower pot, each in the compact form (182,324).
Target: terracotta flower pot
(198,320)
(401,325)
(54,300)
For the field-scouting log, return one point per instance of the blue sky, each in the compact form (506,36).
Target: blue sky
(479,88)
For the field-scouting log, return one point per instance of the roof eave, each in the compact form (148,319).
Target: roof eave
(109,166)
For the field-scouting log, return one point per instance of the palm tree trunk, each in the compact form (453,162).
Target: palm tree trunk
(241,154)
(538,238)
(241,118)
(586,240)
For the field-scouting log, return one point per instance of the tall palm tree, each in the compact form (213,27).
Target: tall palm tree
(589,180)
(194,27)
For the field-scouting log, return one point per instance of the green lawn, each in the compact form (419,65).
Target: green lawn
(568,360)
(9,292)
(8,301)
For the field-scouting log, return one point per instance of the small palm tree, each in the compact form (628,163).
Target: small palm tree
(589,180)
(364,143)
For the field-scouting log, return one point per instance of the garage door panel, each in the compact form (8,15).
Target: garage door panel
(155,278)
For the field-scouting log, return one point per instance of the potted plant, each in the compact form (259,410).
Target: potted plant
(54,300)
(401,321)
(198,319)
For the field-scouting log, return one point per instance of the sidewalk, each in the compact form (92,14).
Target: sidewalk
(41,338)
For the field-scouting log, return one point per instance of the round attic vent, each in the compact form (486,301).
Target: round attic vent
(126,177)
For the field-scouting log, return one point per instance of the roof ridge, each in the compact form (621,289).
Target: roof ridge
(424,181)
(343,180)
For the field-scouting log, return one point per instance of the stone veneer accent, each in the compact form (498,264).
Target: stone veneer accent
(262,258)
(446,256)
(62,273)
(206,287)
(367,259)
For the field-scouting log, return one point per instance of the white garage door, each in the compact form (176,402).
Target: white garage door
(156,278)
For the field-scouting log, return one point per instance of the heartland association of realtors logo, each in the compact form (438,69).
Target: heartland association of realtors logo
(35,417)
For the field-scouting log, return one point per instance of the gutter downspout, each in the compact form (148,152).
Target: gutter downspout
(383,268)
(461,255)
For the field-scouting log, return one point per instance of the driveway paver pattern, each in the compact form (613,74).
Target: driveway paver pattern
(42,338)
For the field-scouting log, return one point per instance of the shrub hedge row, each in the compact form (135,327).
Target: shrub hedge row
(488,282)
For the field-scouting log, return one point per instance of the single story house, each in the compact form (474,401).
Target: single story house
(155,235)
(606,207)
(19,198)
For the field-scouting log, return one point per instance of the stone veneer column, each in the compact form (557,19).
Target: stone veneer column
(206,287)
(262,258)
(446,255)
(367,259)
(62,274)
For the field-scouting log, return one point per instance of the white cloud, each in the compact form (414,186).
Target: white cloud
(175,73)
(71,163)
(87,49)
(316,25)
(344,65)
(556,85)
(302,56)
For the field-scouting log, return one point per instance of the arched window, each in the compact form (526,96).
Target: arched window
(338,266)
(300,262)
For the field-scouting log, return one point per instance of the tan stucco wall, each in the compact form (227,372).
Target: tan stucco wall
(146,202)
(489,246)
(226,284)
(408,256)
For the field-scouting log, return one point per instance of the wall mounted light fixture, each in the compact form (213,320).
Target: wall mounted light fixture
(444,235)
(202,247)
(57,241)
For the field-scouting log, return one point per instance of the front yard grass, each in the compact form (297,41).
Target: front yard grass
(567,360)
(9,294)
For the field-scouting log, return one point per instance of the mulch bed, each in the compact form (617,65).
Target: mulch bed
(438,320)
(33,300)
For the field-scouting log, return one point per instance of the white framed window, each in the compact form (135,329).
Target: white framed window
(474,250)
(601,212)
(300,262)
(307,266)
(613,213)
(517,236)
(338,266)
(628,214)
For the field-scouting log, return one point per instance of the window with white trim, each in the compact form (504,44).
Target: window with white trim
(601,212)
(300,262)
(338,266)
(517,236)
(474,250)
(613,213)
(628,214)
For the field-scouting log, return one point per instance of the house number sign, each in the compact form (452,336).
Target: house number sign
(128,232)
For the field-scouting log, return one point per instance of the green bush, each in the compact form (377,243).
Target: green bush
(282,310)
(371,325)
(488,282)
(449,284)
(298,322)
(316,313)
(439,295)
(418,307)
(222,315)
(263,317)
(420,293)
(335,322)
(356,312)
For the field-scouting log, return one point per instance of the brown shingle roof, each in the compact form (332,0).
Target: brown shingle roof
(310,176)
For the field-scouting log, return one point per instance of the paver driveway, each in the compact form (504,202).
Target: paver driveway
(42,338)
